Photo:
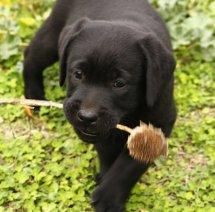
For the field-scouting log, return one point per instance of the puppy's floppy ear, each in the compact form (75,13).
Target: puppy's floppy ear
(160,66)
(68,34)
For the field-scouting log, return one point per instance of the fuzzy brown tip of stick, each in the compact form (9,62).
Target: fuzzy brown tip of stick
(147,143)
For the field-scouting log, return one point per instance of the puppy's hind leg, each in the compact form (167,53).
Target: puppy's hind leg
(41,53)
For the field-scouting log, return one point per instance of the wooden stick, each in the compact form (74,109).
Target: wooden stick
(31,102)
(145,143)
(124,128)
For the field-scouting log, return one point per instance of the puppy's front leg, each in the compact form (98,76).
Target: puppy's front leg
(108,152)
(112,193)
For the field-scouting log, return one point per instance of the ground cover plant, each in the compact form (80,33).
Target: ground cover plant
(45,167)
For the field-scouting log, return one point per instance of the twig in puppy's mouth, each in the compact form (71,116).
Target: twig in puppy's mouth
(145,142)
(31,102)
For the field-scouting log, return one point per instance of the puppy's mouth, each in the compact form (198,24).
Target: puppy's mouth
(91,136)
(88,134)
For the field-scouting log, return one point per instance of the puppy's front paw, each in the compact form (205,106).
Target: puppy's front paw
(106,200)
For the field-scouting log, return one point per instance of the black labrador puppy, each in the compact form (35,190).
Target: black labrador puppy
(116,59)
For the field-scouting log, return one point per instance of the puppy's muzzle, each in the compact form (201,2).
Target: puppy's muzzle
(88,117)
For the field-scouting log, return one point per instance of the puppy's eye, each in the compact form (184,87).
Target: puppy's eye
(119,83)
(78,74)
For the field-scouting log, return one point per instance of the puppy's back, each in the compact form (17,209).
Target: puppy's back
(139,12)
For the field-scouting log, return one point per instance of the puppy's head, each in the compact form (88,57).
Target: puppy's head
(109,69)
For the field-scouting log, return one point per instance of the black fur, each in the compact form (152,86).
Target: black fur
(116,59)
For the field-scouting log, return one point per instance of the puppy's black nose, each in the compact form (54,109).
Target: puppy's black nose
(88,116)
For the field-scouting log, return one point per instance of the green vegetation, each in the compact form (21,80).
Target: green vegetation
(45,167)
